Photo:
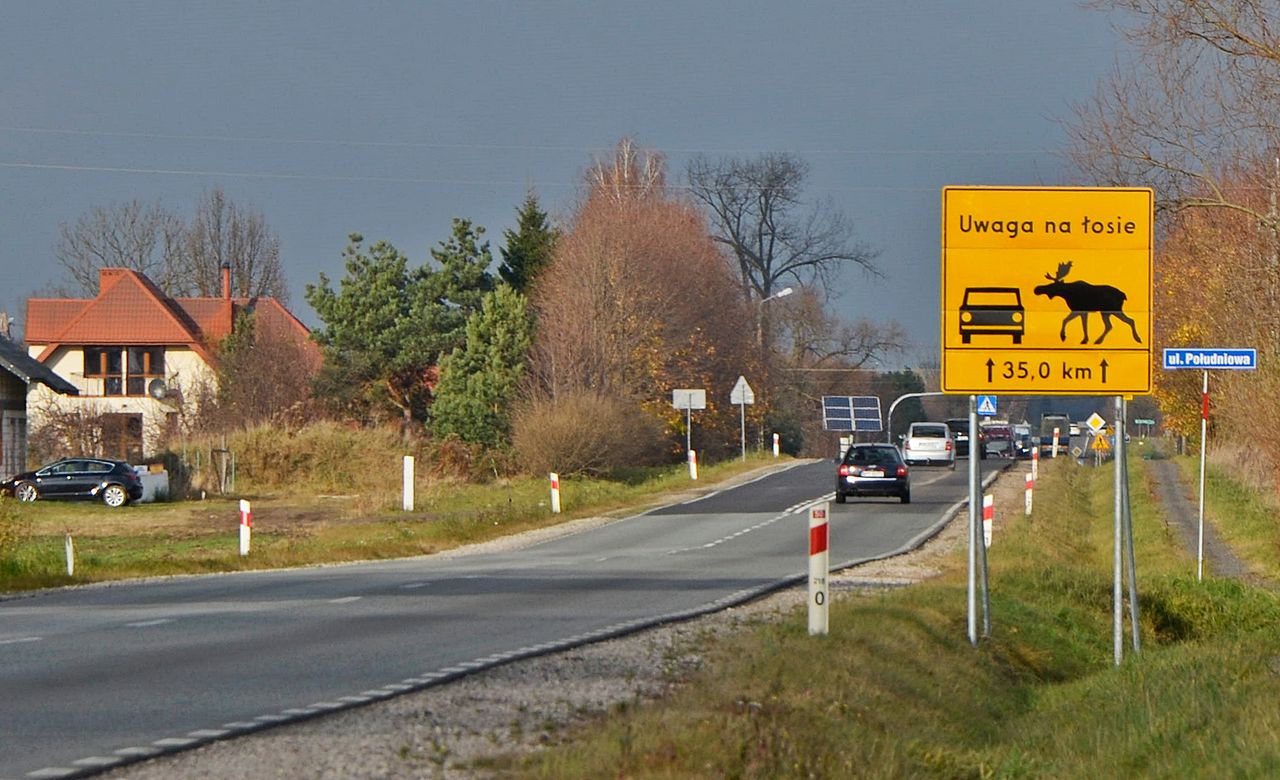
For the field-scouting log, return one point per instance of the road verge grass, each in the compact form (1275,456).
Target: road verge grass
(1241,505)
(198,537)
(896,690)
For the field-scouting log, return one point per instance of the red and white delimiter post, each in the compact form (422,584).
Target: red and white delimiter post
(1031,486)
(246,526)
(819,569)
(555,493)
(988,517)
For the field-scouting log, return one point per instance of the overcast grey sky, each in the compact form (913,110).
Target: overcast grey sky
(391,118)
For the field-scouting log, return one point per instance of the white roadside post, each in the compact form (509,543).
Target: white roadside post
(1056,433)
(818,569)
(246,526)
(988,517)
(775,445)
(408,483)
(555,493)
(1035,462)
(693,465)
(1031,485)
(71,556)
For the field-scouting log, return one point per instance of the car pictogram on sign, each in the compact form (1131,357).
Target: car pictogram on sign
(995,311)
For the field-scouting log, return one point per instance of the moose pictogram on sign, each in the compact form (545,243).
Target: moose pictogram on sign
(1082,298)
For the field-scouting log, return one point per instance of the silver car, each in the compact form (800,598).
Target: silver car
(929,443)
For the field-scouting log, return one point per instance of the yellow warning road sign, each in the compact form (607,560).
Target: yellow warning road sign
(1046,290)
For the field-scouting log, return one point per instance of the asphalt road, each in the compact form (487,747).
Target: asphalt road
(94,677)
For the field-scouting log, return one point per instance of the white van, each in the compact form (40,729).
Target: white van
(929,443)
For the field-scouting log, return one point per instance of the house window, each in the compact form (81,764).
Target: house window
(110,363)
(107,364)
(145,364)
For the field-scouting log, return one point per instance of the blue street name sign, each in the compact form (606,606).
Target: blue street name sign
(1237,359)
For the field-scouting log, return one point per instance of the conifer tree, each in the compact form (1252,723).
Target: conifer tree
(478,381)
(529,247)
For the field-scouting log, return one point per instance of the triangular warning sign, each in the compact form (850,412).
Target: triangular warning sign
(987,405)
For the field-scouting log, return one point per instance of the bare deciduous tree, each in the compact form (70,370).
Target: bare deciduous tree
(758,212)
(821,340)
(1200,98)
(638,300)
(223,232)
(264,371)
(183,260)
(147,239)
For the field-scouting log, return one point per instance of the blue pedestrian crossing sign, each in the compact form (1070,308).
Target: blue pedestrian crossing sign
(987,405)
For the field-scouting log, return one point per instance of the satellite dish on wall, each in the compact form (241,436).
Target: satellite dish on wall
(157,389)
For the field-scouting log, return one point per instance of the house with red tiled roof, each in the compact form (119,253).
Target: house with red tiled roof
(141,361)
(19,372)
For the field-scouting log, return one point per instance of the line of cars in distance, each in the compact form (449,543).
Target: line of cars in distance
(884,469)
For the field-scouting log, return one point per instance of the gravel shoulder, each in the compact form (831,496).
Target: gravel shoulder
(441,732)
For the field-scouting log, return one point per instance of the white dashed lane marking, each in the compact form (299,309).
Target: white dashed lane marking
(20,640)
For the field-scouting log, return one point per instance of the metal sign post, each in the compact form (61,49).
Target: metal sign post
(688,399)
(1206,359)
(742,394)
(977,549)
(1117,587)
(1042,295)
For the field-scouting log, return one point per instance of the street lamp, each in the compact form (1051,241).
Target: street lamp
(784,292)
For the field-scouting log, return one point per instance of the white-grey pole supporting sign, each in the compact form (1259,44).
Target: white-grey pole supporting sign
(1123,557)
(977,548)
(819,568)
(742,395)
(689,399)
(1206,359)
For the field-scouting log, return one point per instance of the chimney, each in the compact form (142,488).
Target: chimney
(226,281)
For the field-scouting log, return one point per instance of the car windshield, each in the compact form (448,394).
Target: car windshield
(868,456)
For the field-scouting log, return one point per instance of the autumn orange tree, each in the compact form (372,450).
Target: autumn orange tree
(636,301)
(1215,283)
(1192,112)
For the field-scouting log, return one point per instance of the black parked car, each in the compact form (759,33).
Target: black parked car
(873,470)
(114,482)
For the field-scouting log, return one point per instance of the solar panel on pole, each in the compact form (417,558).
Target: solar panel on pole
(851,413)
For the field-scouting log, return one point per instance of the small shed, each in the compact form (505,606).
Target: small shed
(18,371)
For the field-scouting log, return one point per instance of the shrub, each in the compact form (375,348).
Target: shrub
(323,457)
(453,458)
(585,433)
(13,527)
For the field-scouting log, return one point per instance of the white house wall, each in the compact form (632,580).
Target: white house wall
(185,372)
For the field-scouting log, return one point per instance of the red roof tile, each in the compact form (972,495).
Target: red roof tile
(130,309)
